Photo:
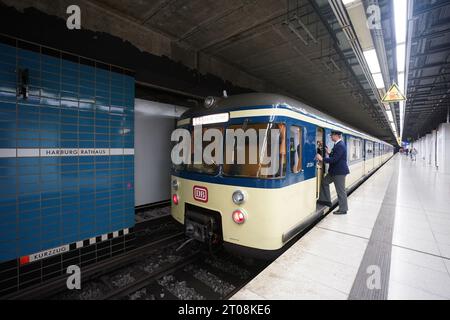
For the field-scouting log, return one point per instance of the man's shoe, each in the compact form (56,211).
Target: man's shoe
(340,212)
(325,203)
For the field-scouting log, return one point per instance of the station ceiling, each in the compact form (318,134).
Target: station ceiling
(287,43)
(429,68)
(297,47)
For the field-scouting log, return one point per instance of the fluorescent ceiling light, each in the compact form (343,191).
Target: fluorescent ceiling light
(400,18)
(400,22)
(401,56)
(401,81)
(372,61)
(393,127)
(391,118)
(402,109)
(378,78)
(347,2)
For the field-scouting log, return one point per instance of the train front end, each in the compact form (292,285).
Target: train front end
(238,205)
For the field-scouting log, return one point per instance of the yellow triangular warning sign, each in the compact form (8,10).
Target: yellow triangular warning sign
(393,94)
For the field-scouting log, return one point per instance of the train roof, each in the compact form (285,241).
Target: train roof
(269,100)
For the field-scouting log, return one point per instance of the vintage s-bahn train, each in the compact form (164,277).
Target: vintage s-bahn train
(235,205)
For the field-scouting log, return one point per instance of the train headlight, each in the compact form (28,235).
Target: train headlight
(175,184)
(238,197)
(209,102)
(239,216)
(175,199)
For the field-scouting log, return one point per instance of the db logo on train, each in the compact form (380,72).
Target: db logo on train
(200,194)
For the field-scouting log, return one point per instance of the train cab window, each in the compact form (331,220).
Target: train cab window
(204,168)
(263,161)
(295,149)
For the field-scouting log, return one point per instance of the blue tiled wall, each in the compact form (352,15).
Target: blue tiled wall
(73,103)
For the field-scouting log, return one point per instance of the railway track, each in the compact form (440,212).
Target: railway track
(146,280)
(157,270)
(168,274)
(195,276)
(152,234)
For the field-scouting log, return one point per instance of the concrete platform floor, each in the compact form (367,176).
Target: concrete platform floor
(394,243)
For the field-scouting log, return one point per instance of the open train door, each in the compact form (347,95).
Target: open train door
(320,166)
(364,154)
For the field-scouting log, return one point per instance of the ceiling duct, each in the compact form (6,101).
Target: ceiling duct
(340,12)
(157,109)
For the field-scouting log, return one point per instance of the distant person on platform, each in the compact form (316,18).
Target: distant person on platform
(413,154)
(336,173)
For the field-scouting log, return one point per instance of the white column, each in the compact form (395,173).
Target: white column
(428,149)
(433,147)
(444,147)
(419,149)
(424,151)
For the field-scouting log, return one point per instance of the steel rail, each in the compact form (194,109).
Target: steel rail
(57,285)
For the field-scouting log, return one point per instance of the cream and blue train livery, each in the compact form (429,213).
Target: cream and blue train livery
(236,205)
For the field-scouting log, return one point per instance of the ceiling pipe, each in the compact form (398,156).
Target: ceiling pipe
(409,29)
(174,91)
(378,41)
(157,109)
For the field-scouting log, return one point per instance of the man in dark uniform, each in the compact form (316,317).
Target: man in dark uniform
(336,173)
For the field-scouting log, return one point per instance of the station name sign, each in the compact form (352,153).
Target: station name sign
(63,152)
(73,152)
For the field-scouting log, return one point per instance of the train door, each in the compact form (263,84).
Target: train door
(369,156)
(363,146)
(320,166)
(375,147)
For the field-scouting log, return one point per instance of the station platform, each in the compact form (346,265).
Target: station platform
(394,243)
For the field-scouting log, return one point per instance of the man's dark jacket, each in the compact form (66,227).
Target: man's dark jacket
(338,160)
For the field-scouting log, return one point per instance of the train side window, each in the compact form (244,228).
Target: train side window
(369,146)
(295,149)
(355,149)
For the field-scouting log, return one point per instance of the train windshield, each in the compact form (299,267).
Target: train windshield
(259,164)
(248,155)
(205,168)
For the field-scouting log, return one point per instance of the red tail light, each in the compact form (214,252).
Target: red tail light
(239,216)
(175,199)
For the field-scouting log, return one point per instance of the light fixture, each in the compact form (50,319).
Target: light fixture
(374,67)
(378,78)
(372,61)
(401,81)
(209,102)
(175,199)
(238,197)
(391,118)
(212,118)
(401,56)
(400,23)
(400,18)
(348,2)
(239,216)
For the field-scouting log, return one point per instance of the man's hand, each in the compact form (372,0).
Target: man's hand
(319,157)
(327,150)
